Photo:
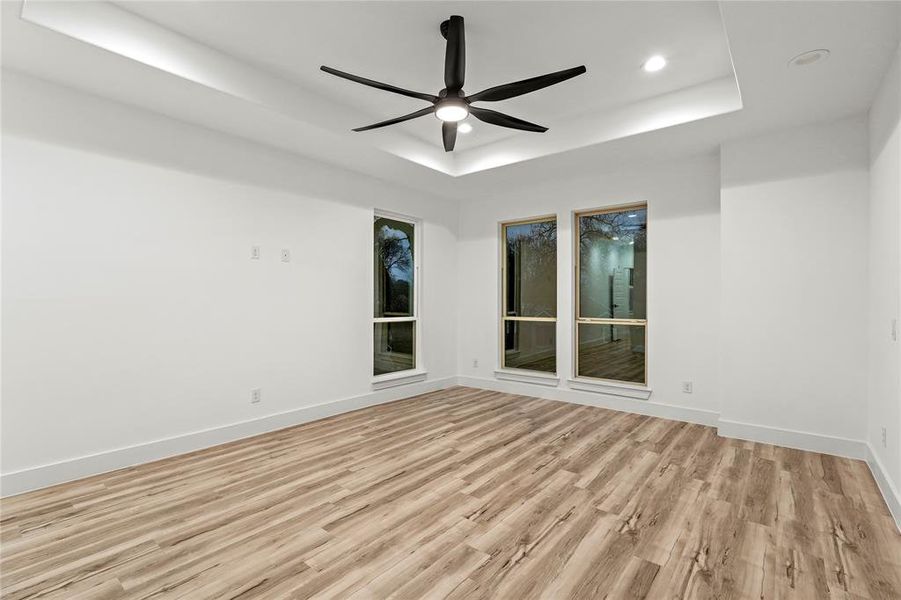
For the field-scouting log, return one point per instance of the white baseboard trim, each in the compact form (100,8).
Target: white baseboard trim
(42,476)
(888,489)
(790,438)
(594,398)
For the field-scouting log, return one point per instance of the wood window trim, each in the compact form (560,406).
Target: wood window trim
(503,369)
(418,372)
(577,295)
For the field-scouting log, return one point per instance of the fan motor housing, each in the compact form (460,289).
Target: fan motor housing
(459,93)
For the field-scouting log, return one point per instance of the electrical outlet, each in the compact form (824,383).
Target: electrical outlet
(884,440)
(286,255)
(256,396)
(255,253)
(687,387)
(475,363)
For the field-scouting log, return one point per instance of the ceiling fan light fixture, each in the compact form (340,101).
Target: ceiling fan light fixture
(451,111)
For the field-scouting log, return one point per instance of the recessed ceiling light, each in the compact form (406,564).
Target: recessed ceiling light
(809,57)
(654,64)
(464,127)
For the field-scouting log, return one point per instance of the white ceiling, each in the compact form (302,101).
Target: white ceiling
(177,58)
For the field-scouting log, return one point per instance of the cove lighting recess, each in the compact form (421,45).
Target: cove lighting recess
(654,64)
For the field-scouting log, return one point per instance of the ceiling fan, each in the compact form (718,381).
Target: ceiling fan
(451,104)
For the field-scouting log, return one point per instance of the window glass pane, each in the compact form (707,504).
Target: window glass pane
(530,345)
(531,269)
(613,265)
(393,268)
(395,347)
(612,352)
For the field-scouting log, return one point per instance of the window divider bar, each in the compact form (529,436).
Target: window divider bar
(394,319)
(536,319)
(590,320)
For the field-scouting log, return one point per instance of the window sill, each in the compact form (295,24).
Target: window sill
(522,376)
(625,390)
(389,380)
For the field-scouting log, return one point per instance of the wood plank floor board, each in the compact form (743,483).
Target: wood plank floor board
(462,493)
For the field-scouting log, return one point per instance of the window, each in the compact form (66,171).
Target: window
(395,317)
(529,280)
(611,294)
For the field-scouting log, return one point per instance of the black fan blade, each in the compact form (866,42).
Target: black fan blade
(449,134)
(496,118)
(518,88)
(379,85)
(418,113)
(455,56)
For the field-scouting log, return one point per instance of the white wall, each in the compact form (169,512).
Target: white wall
(885,272)
(683,278)
(131,309)
(777,348)
(794,261)
(132,313)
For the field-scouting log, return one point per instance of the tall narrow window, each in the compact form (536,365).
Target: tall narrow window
(395,316)
(529,276)
(611,294)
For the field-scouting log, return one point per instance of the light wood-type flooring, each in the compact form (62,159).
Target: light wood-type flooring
(459,494)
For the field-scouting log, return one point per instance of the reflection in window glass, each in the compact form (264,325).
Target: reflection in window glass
(395,347)
(393,268)
(394,307)
(530,345)
(531,273)
(611,316)
(612,351)
(613,265)
(529,311)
